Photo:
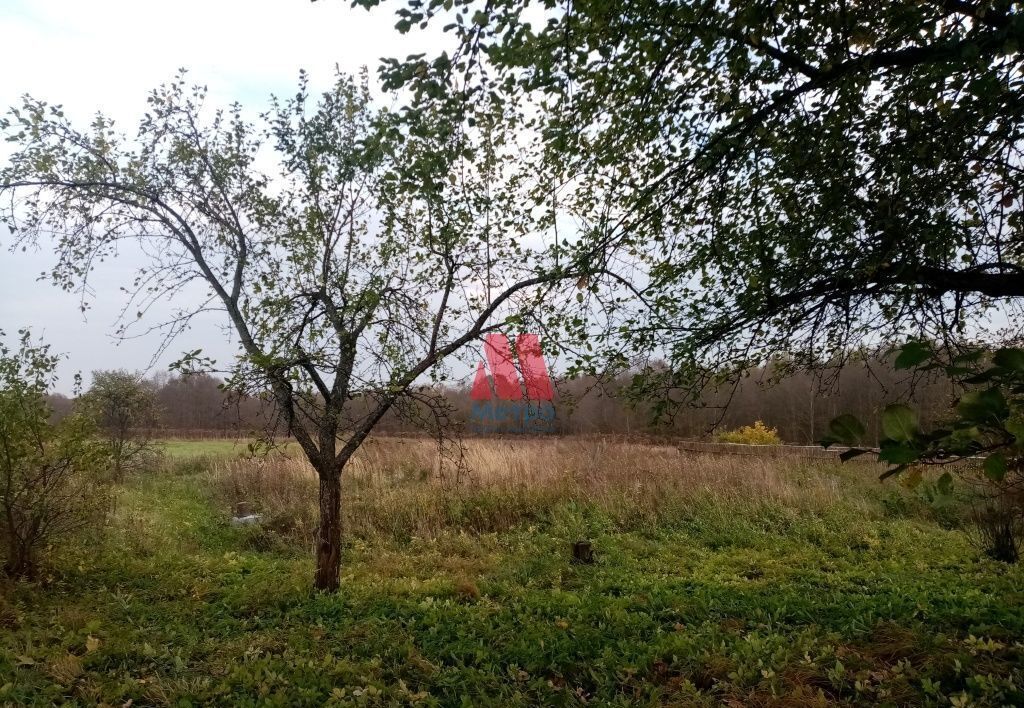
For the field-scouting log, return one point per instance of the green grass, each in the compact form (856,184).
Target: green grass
(766,607)
(211,448)
(180,449)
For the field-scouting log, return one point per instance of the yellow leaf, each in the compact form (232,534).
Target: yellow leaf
(92,643)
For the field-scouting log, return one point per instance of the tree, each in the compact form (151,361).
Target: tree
(49,473)
(125,409)
(367,257)
(774,177)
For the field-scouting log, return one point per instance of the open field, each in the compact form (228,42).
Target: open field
(719,580)
(212,447)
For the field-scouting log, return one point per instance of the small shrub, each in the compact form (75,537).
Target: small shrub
(50,474)
(998,527)
(756,434)
(1000,535)
(126,411)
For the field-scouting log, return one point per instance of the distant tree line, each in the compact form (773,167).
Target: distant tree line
(799,405)
(196,403)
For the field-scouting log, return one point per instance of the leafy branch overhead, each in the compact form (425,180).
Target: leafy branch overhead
(986,422)
(782,179)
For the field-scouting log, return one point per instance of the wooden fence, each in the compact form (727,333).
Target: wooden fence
(722,448)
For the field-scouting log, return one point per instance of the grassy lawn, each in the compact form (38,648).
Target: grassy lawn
(228,447)
(767,606)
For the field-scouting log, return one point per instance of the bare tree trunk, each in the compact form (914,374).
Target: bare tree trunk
(20,561)
(328,541)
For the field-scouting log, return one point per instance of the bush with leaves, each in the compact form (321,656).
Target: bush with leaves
(125,408)
(50,481)
(756,434)
(986,428)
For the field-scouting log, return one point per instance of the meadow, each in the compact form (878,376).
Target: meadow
(718,580)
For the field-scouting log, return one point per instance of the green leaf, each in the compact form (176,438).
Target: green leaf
(846,429)
(1015,427)
(970,357)
(897,453)
(1010,358)
(984,377)
(912,354)
(899,422)
(983,406)
(995,467)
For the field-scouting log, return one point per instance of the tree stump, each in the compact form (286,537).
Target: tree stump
(582,552)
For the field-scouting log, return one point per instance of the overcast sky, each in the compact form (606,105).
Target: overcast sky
(106,55)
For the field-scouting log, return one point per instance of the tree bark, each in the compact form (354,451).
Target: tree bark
(328,542)
(20,561)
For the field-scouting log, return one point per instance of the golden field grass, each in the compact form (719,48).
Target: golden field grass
(410,488)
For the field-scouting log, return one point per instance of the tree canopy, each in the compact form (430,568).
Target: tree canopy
(771,177)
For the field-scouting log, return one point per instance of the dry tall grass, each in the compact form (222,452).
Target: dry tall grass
(399,487)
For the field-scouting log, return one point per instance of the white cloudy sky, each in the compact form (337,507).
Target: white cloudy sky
(106,55)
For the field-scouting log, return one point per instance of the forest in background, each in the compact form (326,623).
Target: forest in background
(799,406)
